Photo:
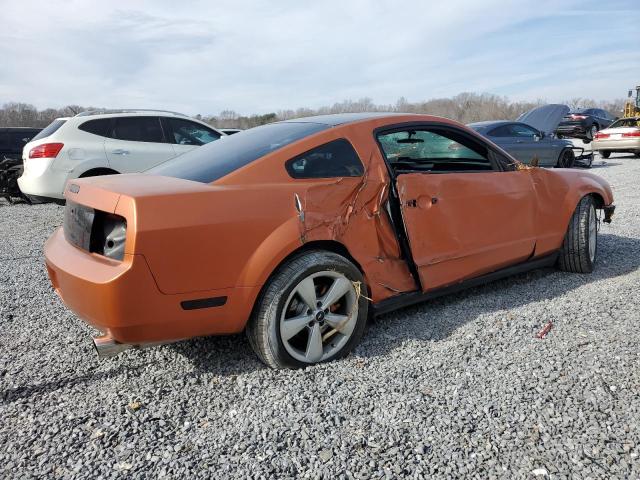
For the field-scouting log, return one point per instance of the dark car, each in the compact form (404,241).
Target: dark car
(531,136)
(585,123)
(13,139)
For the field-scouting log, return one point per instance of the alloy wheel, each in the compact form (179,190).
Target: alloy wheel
(319,316)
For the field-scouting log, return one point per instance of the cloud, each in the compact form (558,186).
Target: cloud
(261,56)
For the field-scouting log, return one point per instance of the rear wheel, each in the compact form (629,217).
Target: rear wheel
(604,153)
(637,153)
(313,310)
(591,132)
(580,245)
(566,159)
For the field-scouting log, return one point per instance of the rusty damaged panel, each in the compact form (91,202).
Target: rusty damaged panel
(351,211)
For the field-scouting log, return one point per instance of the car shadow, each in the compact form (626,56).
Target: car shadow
(27,391)
(618,255)
(434,320)
(603,164)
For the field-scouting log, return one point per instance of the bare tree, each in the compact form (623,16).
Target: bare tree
(465,107)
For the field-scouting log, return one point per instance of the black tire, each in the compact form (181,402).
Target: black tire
(637,153)
(591,131)
(264,327)
(566,159)
(604,153)
(578,254)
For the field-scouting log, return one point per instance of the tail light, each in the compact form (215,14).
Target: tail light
(632,134)
(600,135)
(94,230)
(578,117)
(46,150)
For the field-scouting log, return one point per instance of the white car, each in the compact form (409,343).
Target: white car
(622,136)
(231,131)
(105,142)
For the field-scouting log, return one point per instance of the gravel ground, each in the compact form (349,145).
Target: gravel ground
(455,387)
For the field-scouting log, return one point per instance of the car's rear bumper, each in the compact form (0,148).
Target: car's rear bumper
(123,300)
(572,129)
(42,182)
(627,144)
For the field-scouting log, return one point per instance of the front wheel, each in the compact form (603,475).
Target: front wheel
(580,245)
(313,310)
(604,153)
(566,159)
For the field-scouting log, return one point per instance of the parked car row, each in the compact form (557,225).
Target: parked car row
(295,231)
(128,141)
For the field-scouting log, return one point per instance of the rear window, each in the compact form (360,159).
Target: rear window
(50,129)
(217,159)
(626,122)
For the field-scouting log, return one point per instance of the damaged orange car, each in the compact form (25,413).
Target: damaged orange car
(297,231)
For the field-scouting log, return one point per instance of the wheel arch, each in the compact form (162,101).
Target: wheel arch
(97,171)
(333,246)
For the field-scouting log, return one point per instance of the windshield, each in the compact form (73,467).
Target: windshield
(217,159)
(49,130)
(626,122)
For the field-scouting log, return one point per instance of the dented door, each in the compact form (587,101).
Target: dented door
(461,225)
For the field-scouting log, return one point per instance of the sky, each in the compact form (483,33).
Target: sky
(265,55)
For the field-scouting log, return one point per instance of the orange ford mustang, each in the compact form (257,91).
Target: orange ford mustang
(297,231)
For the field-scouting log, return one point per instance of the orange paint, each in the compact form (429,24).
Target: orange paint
(187,240)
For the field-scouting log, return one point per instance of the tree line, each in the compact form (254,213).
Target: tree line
(464,107)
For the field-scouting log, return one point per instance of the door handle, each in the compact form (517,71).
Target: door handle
(423,201)
(120,152)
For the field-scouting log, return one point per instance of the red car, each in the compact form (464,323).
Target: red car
(297,231)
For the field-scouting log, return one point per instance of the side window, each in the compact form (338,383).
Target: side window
(502,131)
(435,150)
(138,129)
(520,130)
(99,126)
(333,159)
(185,132)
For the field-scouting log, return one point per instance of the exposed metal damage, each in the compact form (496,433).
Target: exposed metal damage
(350,210)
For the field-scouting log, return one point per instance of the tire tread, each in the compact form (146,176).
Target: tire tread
(574,253)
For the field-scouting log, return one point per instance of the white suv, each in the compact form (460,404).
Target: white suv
(103,143)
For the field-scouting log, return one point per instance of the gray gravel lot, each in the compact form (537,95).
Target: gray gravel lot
(455,387)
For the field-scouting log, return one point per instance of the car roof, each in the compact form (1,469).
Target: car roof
(490,123)
(335,119)
(130,111)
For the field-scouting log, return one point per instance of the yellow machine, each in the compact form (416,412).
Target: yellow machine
(632,105)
